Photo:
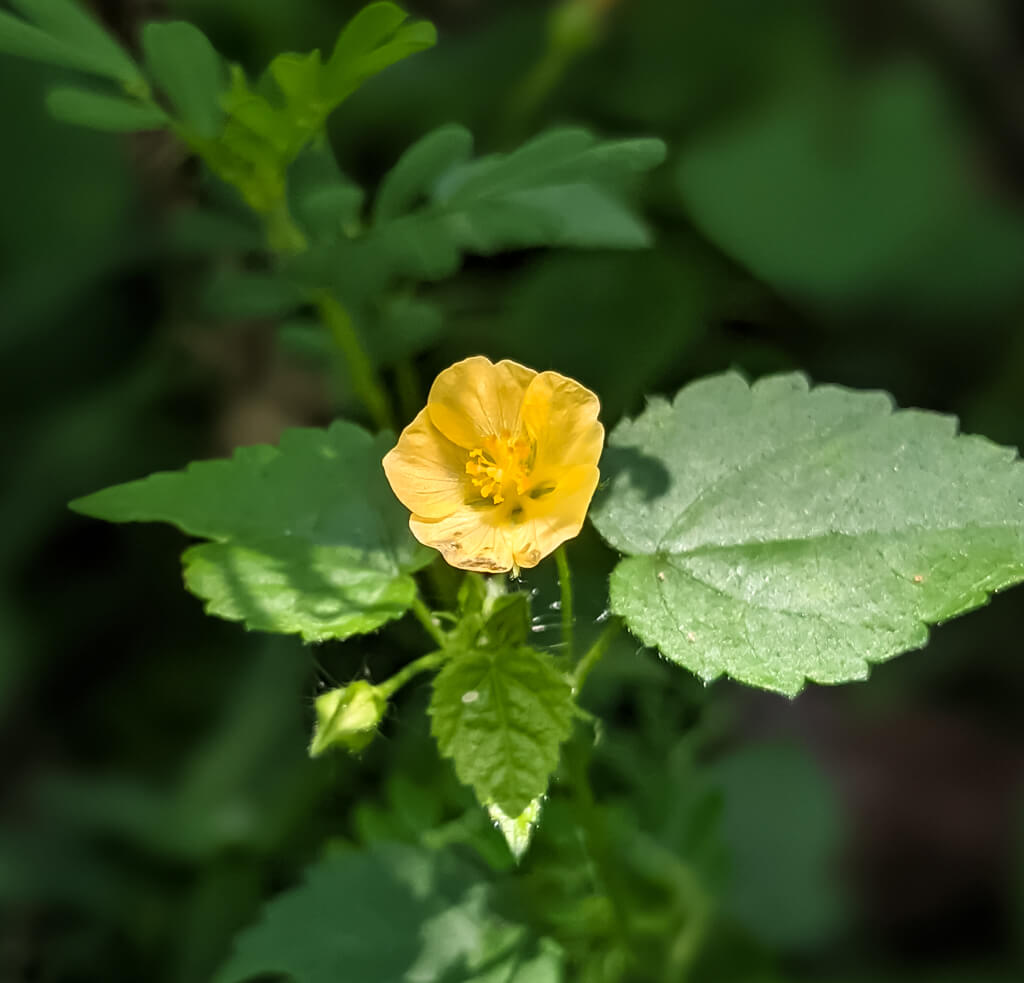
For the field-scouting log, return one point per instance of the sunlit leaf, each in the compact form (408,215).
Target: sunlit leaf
(306,537)
(778,534)
(502,714)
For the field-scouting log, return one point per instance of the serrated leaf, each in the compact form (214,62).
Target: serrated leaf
(317,592)
(307,538)
(439,927)
(501,715)
(100,111)
(778,534)
(419,168)
(188,69)
(69,24)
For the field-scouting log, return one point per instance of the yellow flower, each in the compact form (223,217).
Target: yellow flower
(499,468)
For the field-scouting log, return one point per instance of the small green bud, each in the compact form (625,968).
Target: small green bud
(347,717)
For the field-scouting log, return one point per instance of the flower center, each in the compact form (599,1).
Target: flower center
(501,464)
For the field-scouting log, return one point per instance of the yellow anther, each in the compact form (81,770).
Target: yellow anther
(502,461)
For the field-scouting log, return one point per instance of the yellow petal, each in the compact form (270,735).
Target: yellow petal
(560,416)
(476,398)
(470,539)
(426,471)
(549,521)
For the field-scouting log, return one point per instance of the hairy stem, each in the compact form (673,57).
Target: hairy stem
(594,654)
(365,380)
(426,619)
(425,663)
(565,584)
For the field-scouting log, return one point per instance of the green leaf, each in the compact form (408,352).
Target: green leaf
(501,715)
(517,830)
(187,67)
(418,170)
(561,189)
(881,206)
(101,111)
(318,592)
(439,927)
(307,537)
(25,41)
(374,39)
(779,534)
(782,824)
(73,29)
(233,293)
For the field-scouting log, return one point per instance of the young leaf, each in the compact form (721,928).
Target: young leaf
(187,67)
(779,534)
(101,111)
(68,24)
(307,538)
(501,715)
(374,39)
(439,927)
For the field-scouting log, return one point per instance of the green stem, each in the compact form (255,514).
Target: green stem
(365,381)
(425,663)
(426,619)
(594,654)
(283,235)
(565,584)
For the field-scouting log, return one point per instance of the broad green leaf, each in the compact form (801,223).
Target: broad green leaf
(378,36)
(418,170)
(501,715)
(438,927)
(187,67)
(101,111)
(68,23)
(317,592)
(883,206)
(782,825)
(778,534)
(307,537)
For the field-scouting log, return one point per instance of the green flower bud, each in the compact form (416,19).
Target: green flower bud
(347,717)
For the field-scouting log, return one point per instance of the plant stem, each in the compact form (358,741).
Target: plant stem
(425,618)
(365,381)
(594,654)
(424,663)
(565,584)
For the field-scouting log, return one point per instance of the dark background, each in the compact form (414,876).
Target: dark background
(844,195)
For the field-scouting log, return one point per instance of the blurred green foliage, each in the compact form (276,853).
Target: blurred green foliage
(843,196)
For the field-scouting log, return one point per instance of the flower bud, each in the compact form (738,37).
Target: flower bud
(347,717)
